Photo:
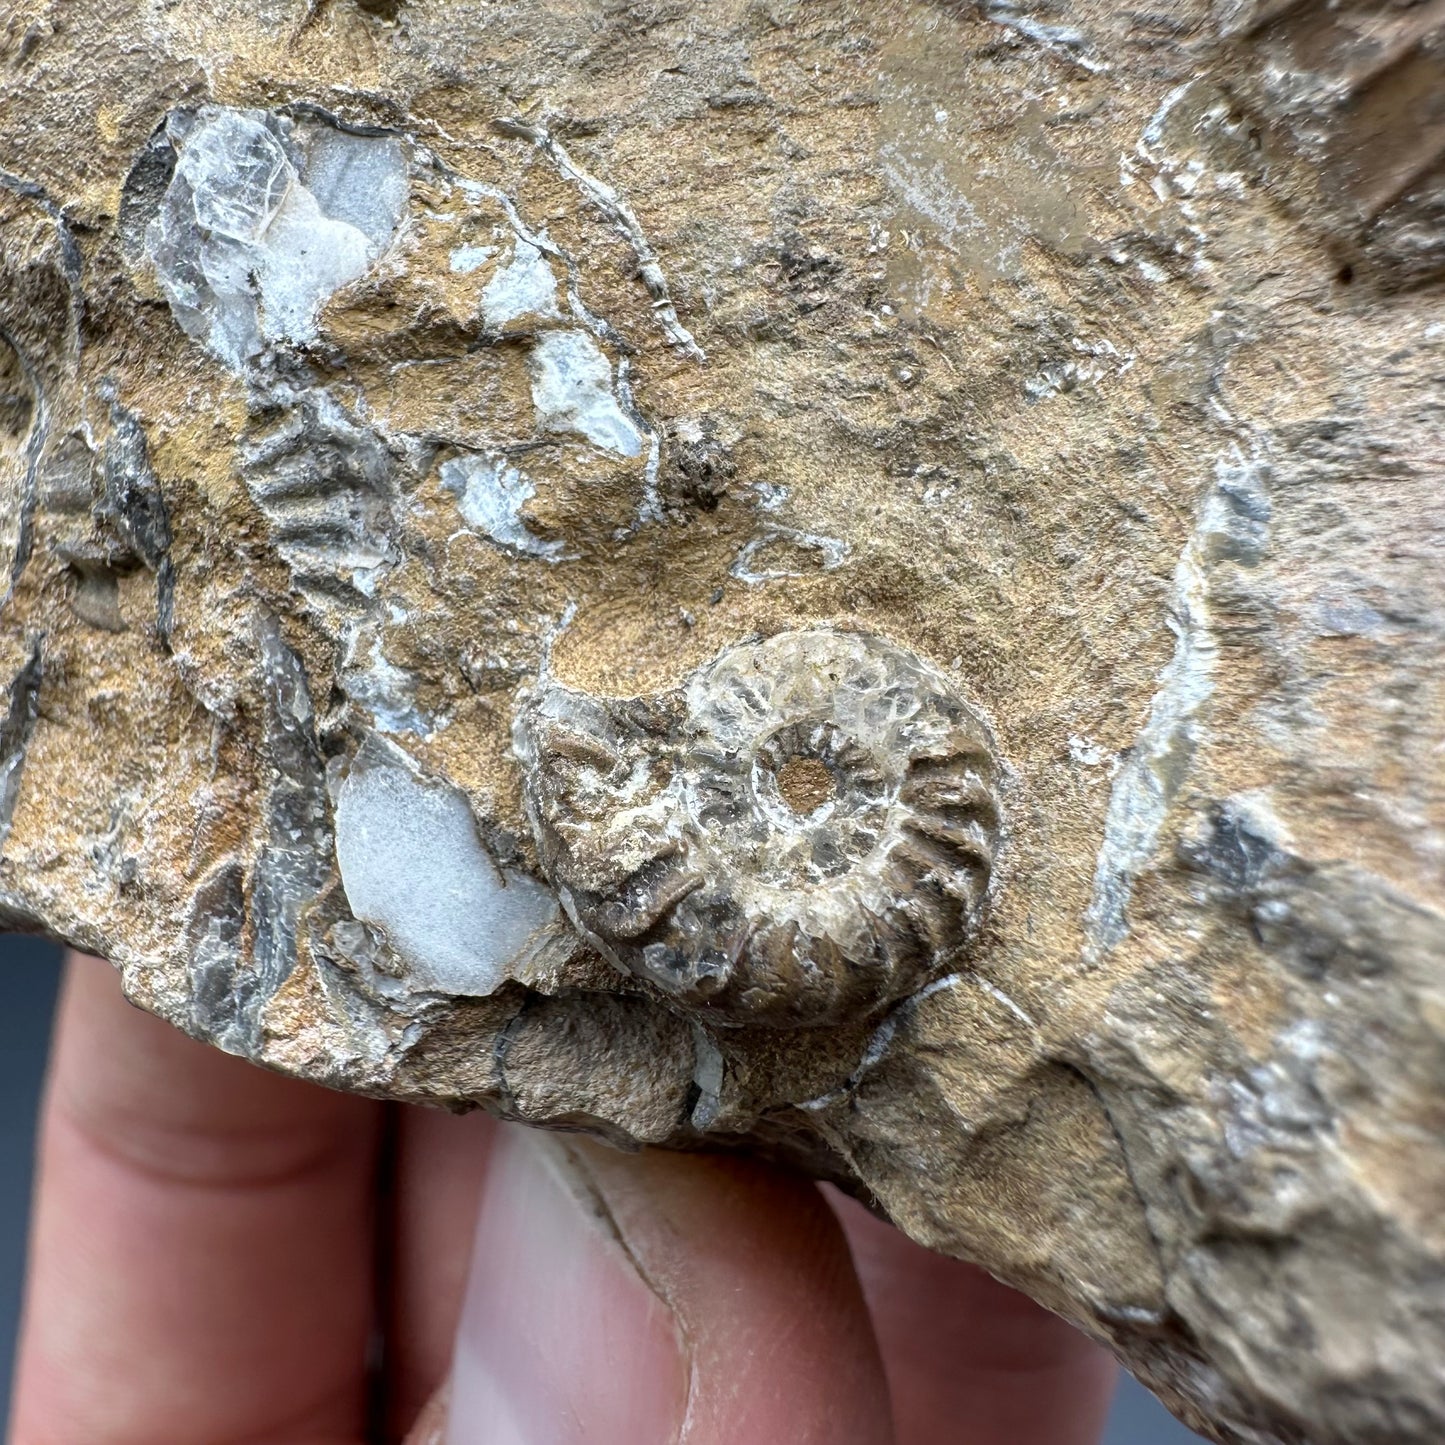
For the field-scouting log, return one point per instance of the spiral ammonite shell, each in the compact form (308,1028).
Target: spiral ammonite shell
(802,833)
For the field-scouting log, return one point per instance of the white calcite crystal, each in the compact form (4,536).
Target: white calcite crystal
(490,495)
(414,867)
(264,219)
(525,286)
(856,581)
(572,389)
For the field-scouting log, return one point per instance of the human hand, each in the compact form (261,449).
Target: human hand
(221,1255)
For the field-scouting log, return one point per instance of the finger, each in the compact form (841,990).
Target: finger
(430,1427)
(201,1253)
(970,1361)
(438,1164)
(653,1299)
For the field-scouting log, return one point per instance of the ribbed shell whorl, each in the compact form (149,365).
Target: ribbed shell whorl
(802,833)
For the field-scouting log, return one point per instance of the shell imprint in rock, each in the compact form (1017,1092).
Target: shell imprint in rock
(803,832)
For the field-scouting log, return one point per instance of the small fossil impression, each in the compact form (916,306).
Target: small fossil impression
(803,832)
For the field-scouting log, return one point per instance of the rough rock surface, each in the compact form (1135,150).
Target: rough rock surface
(370,374)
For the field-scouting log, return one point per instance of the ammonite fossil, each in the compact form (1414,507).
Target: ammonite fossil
(803,832)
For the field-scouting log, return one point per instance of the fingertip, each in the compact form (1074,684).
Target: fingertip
(661,1297)
(563,1339)
(760,1274)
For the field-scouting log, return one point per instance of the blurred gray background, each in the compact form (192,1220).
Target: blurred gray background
(31,972)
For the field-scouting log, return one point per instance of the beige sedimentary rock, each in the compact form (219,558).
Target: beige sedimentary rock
(859,581)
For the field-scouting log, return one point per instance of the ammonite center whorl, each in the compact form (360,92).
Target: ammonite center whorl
(803,832)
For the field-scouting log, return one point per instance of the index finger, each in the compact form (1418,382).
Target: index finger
(970,1361)
(201,1248)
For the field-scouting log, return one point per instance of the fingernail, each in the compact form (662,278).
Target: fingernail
(562,1339)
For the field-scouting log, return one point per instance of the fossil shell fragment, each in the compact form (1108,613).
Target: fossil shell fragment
(801,833)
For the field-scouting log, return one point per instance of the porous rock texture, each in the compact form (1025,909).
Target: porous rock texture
(374,376)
